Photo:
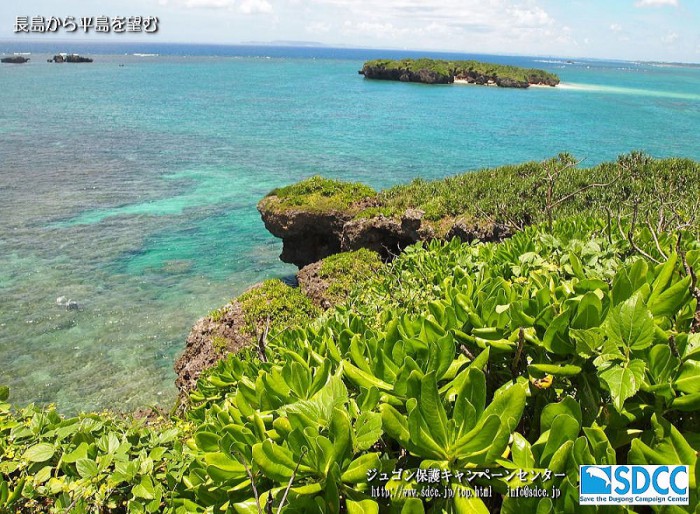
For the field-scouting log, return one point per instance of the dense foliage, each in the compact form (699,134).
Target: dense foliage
(89,463)
(274,305)
(527,193)
(457,366)
(660,190)
(343,271)
(320,195)
(574,350)
(459,67)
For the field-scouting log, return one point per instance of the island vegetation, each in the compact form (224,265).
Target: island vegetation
(436,71)
(572,339)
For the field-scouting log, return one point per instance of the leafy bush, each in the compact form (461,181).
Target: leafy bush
(275,303)
(89,463)
(562,346)
(544,352)
(320,194)
(345,271)
(518,195)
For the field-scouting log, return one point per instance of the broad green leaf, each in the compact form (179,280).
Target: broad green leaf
(669,447)
(432,409)
(508,404)
(474,446)
(368,430)
(395,424)
(144,489)
(341,434)
(87,468)
(624,380)
(207,441)
(276,461)
(39,452)
(356,471)
(362,507)
(224,466)
(630,324)
(662,364)
(687,402)
(564,428)
(79,453)
(669,301)
(555,339)
(688,379)
(522,452)
(413,506)
(690,349)
(4,393)
(588,312)
(663,278)
(551,411)
(363,379)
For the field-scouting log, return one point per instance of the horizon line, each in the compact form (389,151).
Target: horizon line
(333,46)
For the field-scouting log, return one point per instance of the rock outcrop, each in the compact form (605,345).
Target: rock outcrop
(309,236)
(210,340)
(17,59)
(70,58)
(423,76)
(306,236)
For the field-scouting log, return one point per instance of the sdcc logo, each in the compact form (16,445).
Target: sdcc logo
(633,485)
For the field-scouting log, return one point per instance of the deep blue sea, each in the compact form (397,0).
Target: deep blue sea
(129,185)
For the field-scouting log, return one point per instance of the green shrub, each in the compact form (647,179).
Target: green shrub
(552,349)
(88,463)
(275,301)
(345,271)
(547,351)
(321,194)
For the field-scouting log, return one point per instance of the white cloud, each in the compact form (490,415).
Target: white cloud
(656,3)
(245,6)
(255,6)
(318,27)
(616,27)
(670,38)
(470,19)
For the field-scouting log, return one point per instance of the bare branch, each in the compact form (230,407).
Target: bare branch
(262,341)
(242,459)
(656,240)
(291,480)
(466,352)
(630,237)
(693,287)
(518,354)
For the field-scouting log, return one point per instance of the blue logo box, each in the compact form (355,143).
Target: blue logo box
(634,485)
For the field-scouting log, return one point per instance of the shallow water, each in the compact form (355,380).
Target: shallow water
(132,190)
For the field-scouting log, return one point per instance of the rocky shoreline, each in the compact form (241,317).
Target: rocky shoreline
(310,238)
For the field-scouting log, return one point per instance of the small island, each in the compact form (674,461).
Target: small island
(435,71)
(70,58)
(17,59)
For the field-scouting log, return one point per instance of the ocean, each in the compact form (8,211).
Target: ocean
(129,185)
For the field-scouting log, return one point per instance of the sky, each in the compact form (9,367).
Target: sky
(661,30)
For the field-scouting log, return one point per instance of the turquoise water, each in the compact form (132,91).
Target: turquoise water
(132,189)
